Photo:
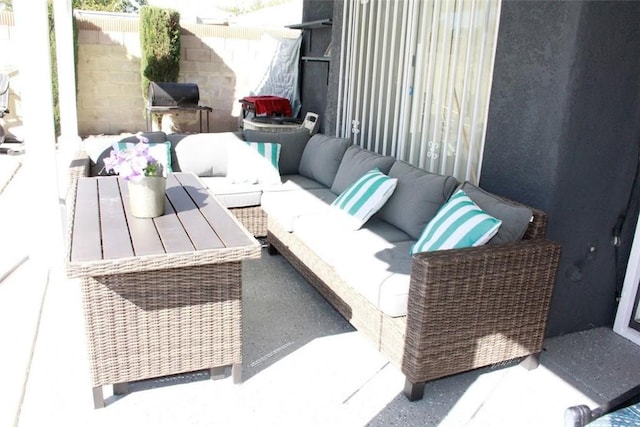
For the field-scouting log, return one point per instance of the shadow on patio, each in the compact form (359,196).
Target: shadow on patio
(303,365)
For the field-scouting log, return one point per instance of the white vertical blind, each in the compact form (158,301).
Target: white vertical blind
(416,79)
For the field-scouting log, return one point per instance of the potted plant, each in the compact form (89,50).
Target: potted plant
(145,177)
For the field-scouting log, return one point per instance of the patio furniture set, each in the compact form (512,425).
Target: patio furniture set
(432,313)
(161,296)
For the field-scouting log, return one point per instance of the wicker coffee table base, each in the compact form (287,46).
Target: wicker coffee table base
(155,323)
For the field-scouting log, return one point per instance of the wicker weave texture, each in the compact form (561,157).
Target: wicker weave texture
(79,167)
(490,305)
(538,227)
(468,308)
(156,323)
(165,261)
(253,218)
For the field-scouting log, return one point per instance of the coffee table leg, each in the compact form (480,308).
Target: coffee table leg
(98,398)
(236,373)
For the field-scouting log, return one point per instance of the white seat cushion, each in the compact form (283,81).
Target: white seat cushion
(286,206)
(373,260)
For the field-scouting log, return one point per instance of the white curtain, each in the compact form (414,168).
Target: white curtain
(415,80)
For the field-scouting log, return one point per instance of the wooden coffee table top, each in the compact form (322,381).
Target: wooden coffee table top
(104,238)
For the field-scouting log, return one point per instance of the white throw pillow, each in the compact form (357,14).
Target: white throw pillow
(358,202)
(459,223)
(269,172)
(254,162)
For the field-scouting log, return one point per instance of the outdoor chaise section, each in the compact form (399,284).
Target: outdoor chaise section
(432,314)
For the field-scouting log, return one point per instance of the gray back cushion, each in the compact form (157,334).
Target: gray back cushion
(292,145)
(321,158)
(417,198)
(515,217)
(355,163)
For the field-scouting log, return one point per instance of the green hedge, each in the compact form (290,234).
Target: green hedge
(54,64)
(160,45)
(54,69)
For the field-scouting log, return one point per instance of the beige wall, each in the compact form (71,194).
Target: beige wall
(225,62)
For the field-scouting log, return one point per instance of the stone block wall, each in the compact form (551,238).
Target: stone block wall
(225,62)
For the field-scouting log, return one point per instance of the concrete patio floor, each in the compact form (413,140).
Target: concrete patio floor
(303,363)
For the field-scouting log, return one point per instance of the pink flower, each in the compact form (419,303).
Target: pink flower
(134,163)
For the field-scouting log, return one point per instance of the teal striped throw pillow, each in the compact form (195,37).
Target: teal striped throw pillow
(268,150)
(358,202)
(459,223)
(267,169)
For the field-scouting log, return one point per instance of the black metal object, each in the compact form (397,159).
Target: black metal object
(168,97)
(170,94)
(581,415)
(4,101)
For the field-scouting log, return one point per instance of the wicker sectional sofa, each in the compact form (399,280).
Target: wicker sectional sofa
(432,314)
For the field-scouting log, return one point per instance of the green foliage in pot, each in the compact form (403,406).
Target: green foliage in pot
(54,69)
(160,45)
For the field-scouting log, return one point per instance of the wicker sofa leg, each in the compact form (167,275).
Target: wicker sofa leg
(236,373)
(413,391)
(98,397)
(120,388)
(217,372)
(272,250)
(577,416)
(531,362)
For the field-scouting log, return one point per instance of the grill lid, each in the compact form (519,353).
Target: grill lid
(170,94)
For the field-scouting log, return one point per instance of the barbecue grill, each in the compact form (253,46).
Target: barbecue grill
(4,100)
(168,97)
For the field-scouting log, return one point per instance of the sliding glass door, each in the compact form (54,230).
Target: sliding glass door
(627,321)
(415,80)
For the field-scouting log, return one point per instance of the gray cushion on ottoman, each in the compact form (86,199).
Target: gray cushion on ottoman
(291,146)
(417,197)
(321,158)
(515,217)
(355,163)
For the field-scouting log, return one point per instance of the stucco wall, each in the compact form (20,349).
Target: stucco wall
(225,62)
(563,132)
(563,136)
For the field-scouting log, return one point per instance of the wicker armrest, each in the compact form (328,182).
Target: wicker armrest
(473,307)
(79,165)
